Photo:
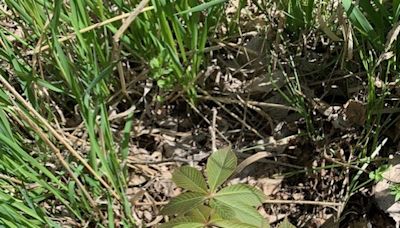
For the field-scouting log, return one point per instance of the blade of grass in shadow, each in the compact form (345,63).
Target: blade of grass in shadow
(357,17)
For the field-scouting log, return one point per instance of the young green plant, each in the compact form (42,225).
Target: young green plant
(206,204)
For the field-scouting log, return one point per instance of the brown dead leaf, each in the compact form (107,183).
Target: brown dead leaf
(136,180)
(270,185)
(392,36)
(384,56)
(254,52)
(355,112)
(266,83)
(171,149)
(137,196)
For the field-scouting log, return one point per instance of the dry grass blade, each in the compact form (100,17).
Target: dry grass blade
(392,36)
(266,161)
(59,156)
(347,35)
(87,29)
(116,46)
(212,130)
(130,19)
(250,160)
(56,134)
(307,202)
(16,181)
(255,103)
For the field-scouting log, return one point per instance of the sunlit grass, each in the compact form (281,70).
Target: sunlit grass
(69,53)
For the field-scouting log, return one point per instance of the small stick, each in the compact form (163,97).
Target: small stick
(123,114)
(249,158)
(254,103)
(305,202)
(116,45)
(213,127)
(131,18)
(151,203)
(132,162)
(156,221)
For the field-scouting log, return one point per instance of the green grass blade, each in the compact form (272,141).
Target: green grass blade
(202,7)
(357,17)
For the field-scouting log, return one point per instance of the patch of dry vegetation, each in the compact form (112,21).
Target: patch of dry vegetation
(102,101)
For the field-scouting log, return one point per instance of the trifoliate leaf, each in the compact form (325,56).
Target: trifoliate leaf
(220,166)
(201,213)
(240,194)
(286,224)
(182,222)
(241,212)
(231,224)
(183,203)
(190,225)
(190,178)
(222,210)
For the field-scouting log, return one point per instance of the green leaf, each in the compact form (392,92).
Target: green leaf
(183,203)
(220,166)
(202,7)
(222,210)
(397,197)
(204,213)
(286,224)
(190,178)
(200,214)
(232,224)
(190,225)
(240,194)
(241,212)
(182,222)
